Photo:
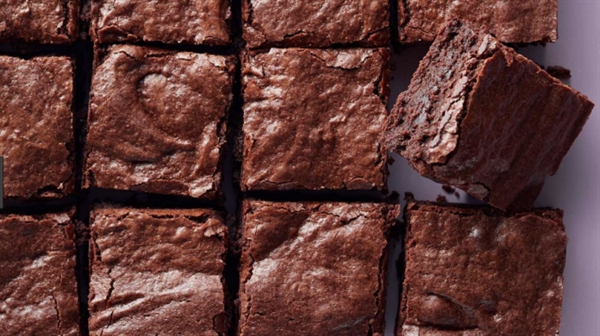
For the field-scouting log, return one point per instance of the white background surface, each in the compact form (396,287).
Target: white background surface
(576,186)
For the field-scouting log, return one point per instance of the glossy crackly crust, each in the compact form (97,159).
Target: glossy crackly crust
(312,119)
(38,290)
(36,126)
(485,119)
(157,272)
(157,121)
(320,23)
(511,21)
(313,268)
(192,22)
(478,271)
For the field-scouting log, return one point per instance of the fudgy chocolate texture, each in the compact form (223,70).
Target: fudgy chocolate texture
(288,23)
(477,271)
(313,268)
(157,272)
(36,126)
(511,21)
(157,121)
(312,119)
(38,290)
(192,22)
(45,21)
(485,119)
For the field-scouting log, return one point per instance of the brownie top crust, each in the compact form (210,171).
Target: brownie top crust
(312,119)
(36,126)
(511,21)
(157,272)
(157,121)
(191,22)
(477,271)
(38,290)
(313,268)
(288,23)
(45,21)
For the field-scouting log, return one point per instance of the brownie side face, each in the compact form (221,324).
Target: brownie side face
(312,119)
(204,22)
(36,126)
(38,290)
(477,271)
(157,272)
(288,23)
(313,268)
(511,21)
(45,21)
(485,119)
(157,121)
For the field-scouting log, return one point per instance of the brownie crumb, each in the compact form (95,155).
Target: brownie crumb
(409,196)
(394,195)
(449,189)
(441,199)
(559,72)
(456,194)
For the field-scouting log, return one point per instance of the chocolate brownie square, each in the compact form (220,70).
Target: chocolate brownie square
(157,272)
(203,22)
(479,271)
(314,268)
(511,21)
(45,21)
(312,119)
(480,117)
(36,126)
(157,121)
(38,290)
(288,23)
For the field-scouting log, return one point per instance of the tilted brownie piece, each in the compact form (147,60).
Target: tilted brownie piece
(192,22)
(485,119)
(36,126)
(511,21)
(288,23)
(157,121)
(45,21)
(312,119)
(477,271)
(38,290)
(157,272)
(314,268)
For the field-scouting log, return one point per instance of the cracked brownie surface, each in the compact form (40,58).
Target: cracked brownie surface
(313,268)
(157,121)
(38,290)
(312,119)
(157,272)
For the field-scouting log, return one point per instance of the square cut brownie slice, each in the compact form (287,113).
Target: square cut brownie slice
(312,119)
(157,272)
(485,119)
(288,23)
(38,290)
(36,126)
(314,268)
(511,21)
(157,121)
(479,271)
(45,21)
(204,22)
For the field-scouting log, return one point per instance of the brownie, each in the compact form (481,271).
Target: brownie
(36,126)
(559,72)
(204,22)
(312,119)
(511,21)
(157,272)
(289,23)
(313,268)
(480,117)
(38,290)
(478,271)
(45,21)
(157,121)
